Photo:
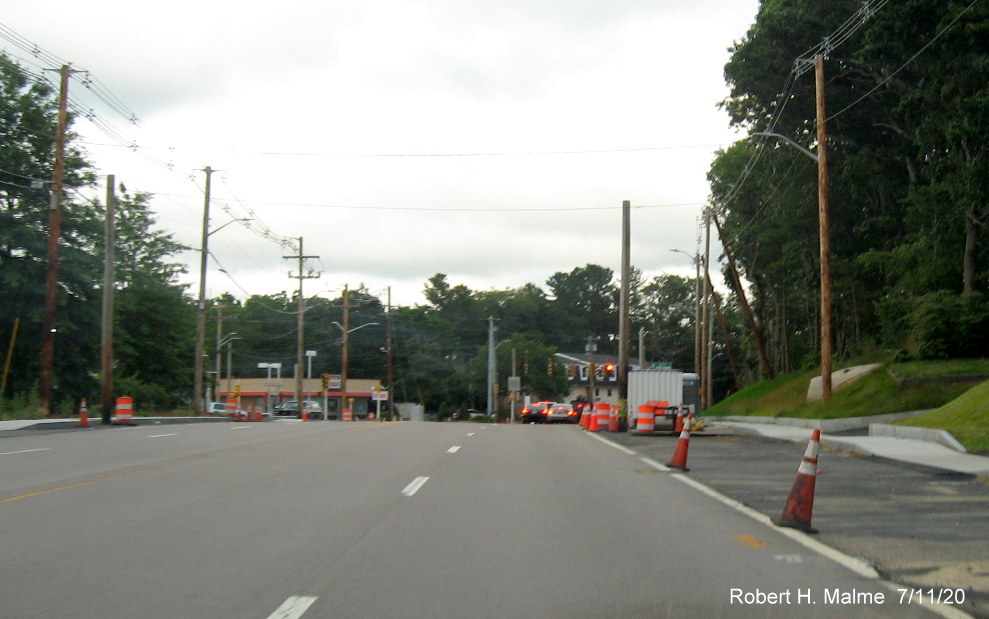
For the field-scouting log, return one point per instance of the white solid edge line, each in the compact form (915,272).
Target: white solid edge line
(620,448)
(241,427)
(163,435)
(453,449)
(414,486)
(24,451)
(851,563)
(856,565)
(656,465)
(293,607)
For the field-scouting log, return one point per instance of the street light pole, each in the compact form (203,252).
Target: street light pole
(198,401)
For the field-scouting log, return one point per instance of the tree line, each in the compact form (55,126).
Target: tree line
(439,346)
(908,152)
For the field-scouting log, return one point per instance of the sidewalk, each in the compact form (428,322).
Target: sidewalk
(924,453)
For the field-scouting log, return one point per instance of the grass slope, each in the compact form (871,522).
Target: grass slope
(961,409)
(966,417)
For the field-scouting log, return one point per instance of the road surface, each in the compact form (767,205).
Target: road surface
(328,519)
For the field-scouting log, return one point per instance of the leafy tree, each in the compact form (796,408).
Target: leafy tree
(28,118)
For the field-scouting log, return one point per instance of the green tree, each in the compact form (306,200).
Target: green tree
(28,118)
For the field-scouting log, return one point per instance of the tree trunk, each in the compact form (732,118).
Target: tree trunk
(973,226)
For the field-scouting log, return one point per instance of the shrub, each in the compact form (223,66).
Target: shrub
(943,325)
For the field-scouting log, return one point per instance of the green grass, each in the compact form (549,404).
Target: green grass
(966,417)
(879,393)
(947,367)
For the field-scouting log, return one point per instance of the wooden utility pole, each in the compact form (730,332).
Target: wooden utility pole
(109,278)
(198,399)
(767,367)
(623,324)
(300,329)
(54,234)
(344,350)
(391,361)
(705,375)
(825,229)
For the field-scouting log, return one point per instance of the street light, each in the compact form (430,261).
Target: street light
(270,367)
(309,355)
(201,319)
(228,340)
(824,225)
(698,347)
(343,369)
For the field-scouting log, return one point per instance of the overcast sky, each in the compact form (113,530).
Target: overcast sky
(492,141)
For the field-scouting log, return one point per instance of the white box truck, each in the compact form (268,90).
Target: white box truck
(664,385)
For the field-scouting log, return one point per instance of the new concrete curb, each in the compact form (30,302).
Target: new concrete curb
(825,425)
(942,437)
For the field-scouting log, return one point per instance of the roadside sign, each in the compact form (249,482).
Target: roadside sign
(380,395)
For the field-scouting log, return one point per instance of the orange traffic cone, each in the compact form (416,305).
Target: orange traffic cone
(679,460)
(800,503)
(83,415)
(613,420)
(305,416)
(585,417)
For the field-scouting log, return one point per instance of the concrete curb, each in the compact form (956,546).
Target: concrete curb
(824,425)
(931,435)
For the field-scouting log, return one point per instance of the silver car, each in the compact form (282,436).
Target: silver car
(560,413)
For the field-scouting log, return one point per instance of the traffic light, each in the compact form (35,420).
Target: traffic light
(609,369)
(236,391)
(572,370)
(525,367)
(549,368)
(326,381)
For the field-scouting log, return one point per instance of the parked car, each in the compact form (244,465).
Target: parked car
(536,412)
(561,413)
(291,408)
(216,408)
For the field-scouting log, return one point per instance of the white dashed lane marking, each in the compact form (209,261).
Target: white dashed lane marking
(414,486)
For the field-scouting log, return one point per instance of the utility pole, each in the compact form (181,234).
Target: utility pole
(300,340)
(705,382)
(623,324)
(642,348)
(491,366)
(198,401)
(514,395)
(825,230)
(54,234)
(590,348)
(106,365)
(343,362)
(390,360)
(219,340)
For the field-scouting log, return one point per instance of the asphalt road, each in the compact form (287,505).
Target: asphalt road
(923,527)
(390,520)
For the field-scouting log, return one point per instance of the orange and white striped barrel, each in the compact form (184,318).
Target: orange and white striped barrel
(232,408)
(645,421)
(125,409)
(602,416)
(613,420)
(348,415)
